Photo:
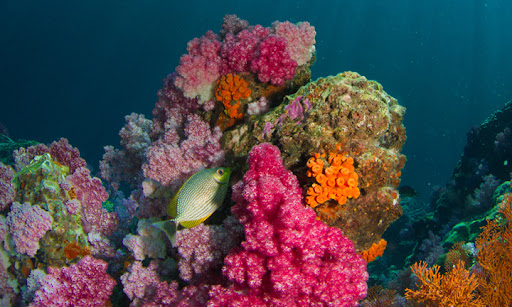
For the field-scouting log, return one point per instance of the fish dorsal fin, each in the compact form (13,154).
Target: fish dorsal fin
(190,224)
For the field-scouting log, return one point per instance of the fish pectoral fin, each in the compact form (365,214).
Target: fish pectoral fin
(190,224)
(169,227)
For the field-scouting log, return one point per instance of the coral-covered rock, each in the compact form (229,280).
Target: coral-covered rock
(42,183)
(346,114)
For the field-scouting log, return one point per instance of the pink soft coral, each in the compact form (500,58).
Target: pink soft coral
(7,189)
(300,38)
(288,257)
(200,67)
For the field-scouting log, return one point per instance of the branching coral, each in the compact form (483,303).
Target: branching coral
(455,288)
(495,258)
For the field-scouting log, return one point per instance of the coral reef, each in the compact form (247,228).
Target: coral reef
(348,115)
(316,166)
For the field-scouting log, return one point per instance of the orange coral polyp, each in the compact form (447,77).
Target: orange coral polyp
(340,181)
(232,88)
(330,171)
(345,171)
(351,182)
(331,182)
(376,250)
(337,181)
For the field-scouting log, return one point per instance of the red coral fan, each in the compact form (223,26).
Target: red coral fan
(85,283)
(288,257)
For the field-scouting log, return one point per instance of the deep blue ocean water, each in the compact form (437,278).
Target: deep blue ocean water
(75,69)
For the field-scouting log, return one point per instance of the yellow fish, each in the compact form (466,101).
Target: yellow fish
(196,200)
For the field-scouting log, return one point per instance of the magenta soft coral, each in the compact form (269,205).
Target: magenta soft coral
(288,257)
(272,63)
(238,51)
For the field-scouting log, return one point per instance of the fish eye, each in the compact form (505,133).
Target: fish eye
(220,171)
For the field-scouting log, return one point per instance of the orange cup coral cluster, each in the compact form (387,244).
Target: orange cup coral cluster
(376,250)
(336,181)
(229,90)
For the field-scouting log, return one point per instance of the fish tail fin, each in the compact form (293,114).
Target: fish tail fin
(169,227)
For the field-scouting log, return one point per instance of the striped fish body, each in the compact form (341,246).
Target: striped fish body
(200,196)
(196,200)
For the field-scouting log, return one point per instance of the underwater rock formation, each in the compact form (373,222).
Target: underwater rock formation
(346,114)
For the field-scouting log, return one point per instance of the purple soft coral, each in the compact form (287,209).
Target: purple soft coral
(85,283)
(91,194)
(26,238)
(7,189)
(288,257)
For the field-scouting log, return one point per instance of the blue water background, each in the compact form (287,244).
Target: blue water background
(74,68)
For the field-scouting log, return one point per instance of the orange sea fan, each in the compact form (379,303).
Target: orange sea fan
(455,288)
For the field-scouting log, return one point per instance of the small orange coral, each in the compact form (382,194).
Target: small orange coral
(337,180)
(229,90)
(376,250)
(73,250)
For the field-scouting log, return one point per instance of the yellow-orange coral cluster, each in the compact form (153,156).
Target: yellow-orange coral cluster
(336,181)
(73,250)
(376,250)
(229,90)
